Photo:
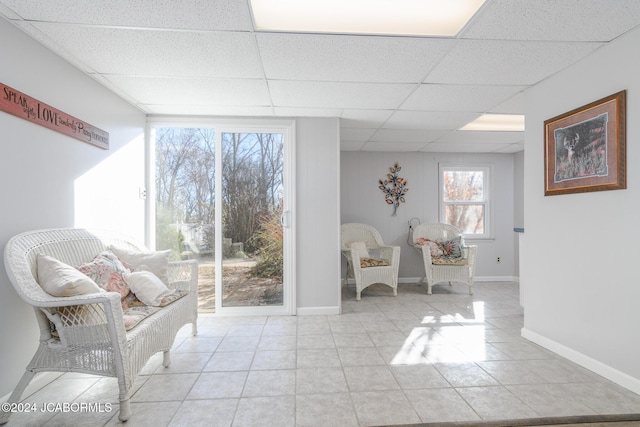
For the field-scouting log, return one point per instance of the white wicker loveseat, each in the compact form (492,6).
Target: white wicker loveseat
(444,269)
(86,333)
(356,241)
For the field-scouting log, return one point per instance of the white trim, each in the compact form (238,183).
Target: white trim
(487,202)
(414,280)
(585,361)
(39,381)
(316,311)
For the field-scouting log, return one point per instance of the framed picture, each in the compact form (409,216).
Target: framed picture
(585,149)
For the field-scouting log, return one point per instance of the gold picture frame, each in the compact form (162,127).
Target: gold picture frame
(585,149)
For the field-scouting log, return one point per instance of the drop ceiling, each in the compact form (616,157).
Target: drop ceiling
(204,57)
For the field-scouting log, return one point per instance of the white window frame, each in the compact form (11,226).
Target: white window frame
(486,202)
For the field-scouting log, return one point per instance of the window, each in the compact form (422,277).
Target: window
(464,198)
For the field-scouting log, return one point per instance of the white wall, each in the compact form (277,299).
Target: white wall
(318,216)
(518,204)
(46,179)
(362,201)
(579,272)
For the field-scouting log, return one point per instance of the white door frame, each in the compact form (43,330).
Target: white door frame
(284,126)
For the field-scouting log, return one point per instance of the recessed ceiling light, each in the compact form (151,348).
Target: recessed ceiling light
(497,122)
(391,17)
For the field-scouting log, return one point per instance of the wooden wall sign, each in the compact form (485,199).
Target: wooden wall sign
(23,106)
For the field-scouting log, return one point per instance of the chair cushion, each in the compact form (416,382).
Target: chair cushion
(61,280)
(372,262)
(137,311)
(361,248)
(449,261)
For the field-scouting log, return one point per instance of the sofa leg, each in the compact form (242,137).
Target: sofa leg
(125,410)
(194,328)
(166,358)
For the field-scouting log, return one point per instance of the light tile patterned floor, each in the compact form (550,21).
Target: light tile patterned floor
(409,359)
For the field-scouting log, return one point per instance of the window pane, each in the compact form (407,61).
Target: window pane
(463,186)
(468,218)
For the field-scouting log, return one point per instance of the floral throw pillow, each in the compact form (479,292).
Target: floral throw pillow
(436,250)
(107,271)
(442,248)
(451,248)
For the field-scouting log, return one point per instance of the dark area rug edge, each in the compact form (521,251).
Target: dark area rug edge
(525,422)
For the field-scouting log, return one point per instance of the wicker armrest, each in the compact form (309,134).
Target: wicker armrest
(389,253)
(183,275)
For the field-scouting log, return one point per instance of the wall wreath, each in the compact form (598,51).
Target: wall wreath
(393,187)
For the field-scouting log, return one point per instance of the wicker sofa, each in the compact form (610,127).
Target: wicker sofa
(86,333)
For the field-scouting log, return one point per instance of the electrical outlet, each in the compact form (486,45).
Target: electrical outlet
(498,260)
(142,193)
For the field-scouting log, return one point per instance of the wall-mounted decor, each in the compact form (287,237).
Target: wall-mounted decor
(20,105)
(585,149)
(394,188)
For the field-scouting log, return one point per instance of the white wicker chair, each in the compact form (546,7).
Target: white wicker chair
(436,273)
(86,333)
(364,277)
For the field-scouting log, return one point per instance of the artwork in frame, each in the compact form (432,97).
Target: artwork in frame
(585,149)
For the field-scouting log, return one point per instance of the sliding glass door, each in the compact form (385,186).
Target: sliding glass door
(223,197)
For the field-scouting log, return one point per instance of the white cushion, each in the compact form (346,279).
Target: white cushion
(62,280)
(361,248)
(147,287)
(156,262)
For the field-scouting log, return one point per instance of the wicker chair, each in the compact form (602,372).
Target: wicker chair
(365,276)
(462,271)
(86,333)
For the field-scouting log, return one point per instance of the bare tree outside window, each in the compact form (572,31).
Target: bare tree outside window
(464,199)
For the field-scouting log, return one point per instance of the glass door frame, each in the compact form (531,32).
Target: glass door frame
(221,125)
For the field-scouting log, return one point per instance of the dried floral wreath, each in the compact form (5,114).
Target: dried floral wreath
(394,188)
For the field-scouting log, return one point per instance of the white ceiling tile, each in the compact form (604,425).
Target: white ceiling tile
(497,62)
(477,98)
(352,134)
(510,148)
(567,20)
(158,53)
(185,14)
(351,145)
(180,91)
(429,120)
(353,118)
(481,137)
(308,112)
(441,147)
(337,95)
(393,146)
(208,110)
(513,105)
(350,58)
(408,135)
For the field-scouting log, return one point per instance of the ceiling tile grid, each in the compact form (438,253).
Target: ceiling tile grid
(391,93)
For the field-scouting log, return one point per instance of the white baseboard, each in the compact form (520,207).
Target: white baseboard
(496,279)
(413,280)
(39,381)
(317,311)
(587,362)
(475,279)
